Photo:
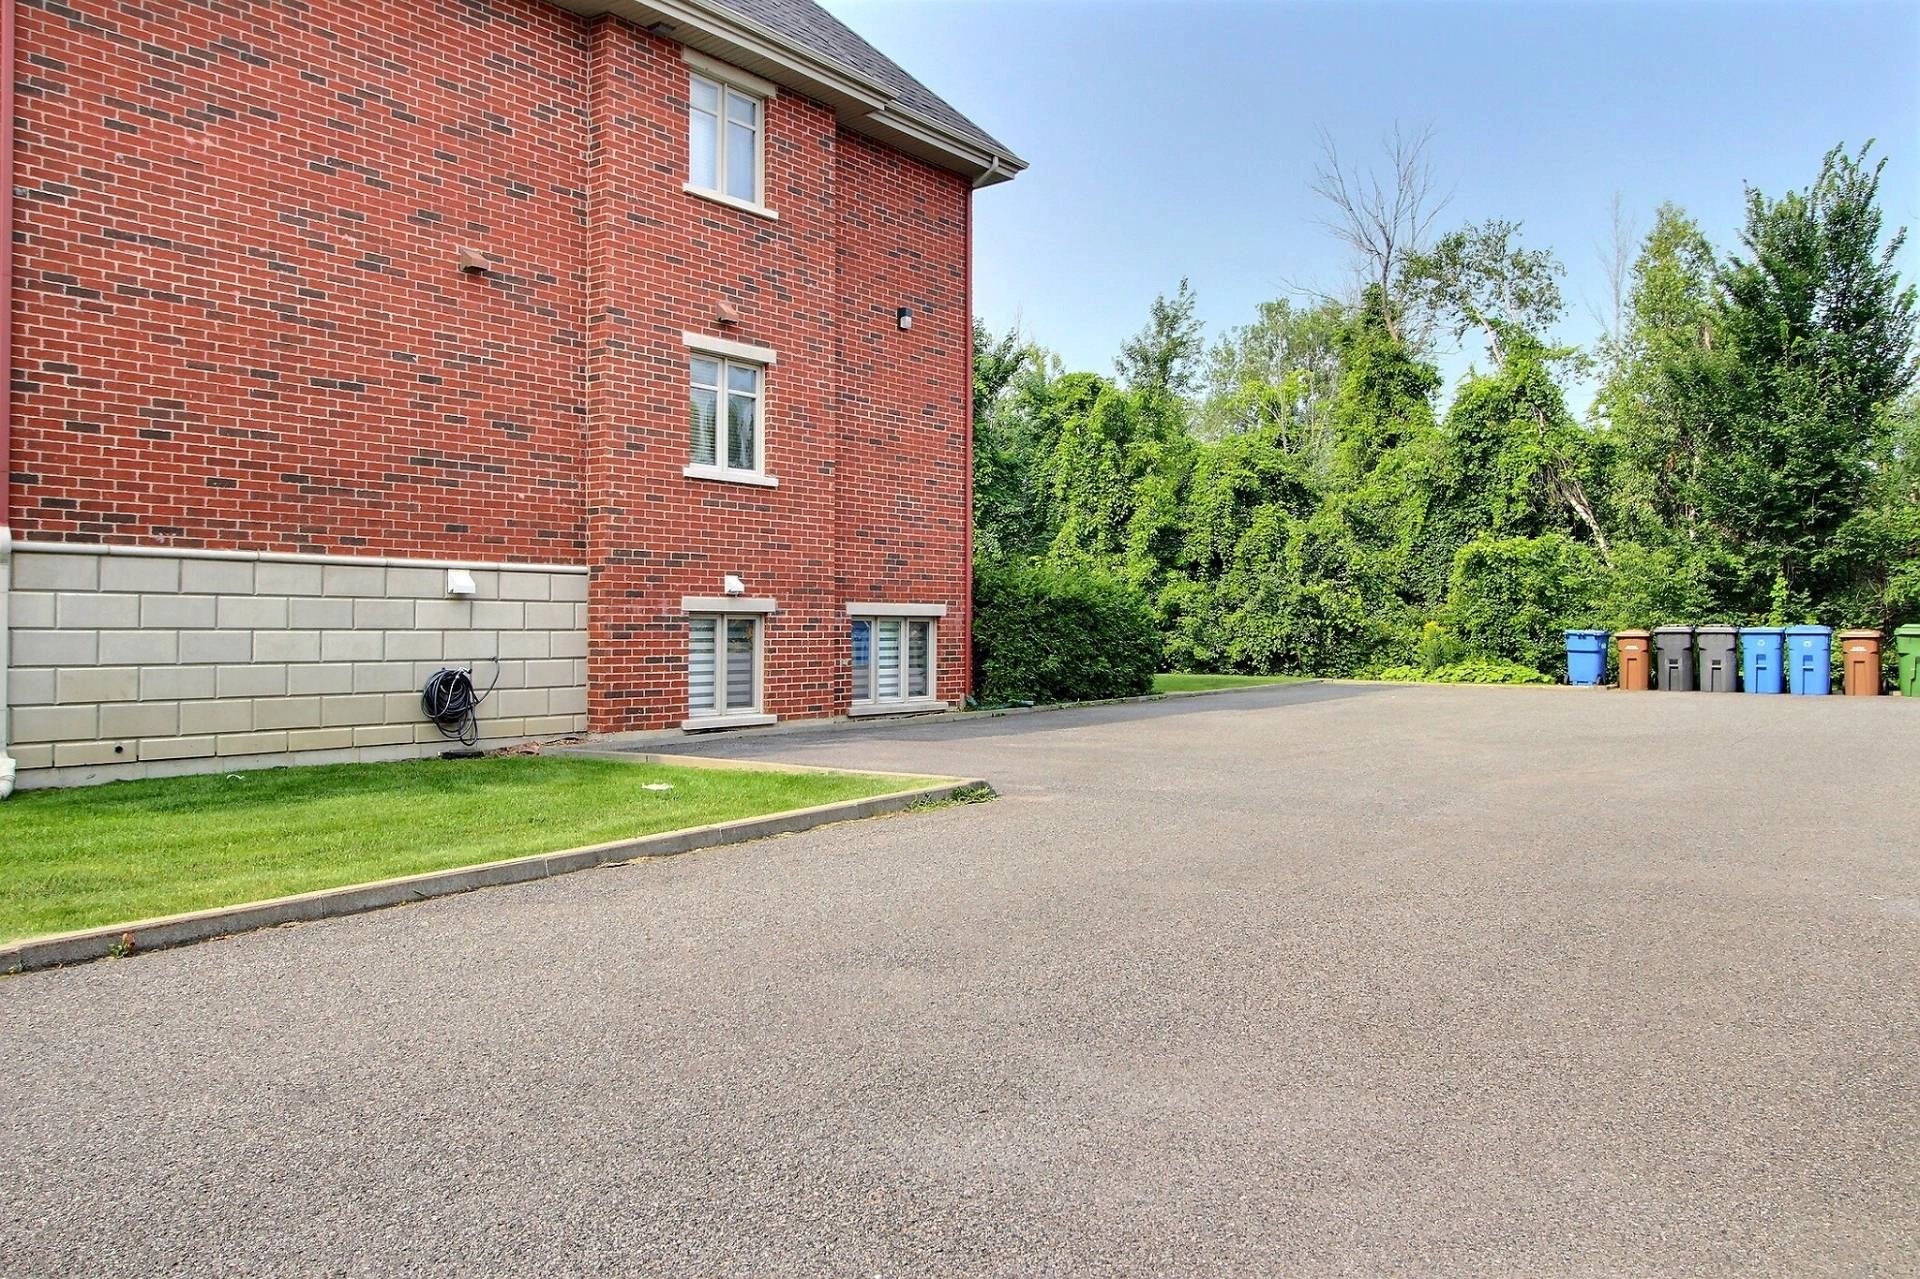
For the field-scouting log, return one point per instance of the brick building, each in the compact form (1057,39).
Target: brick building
(617,348)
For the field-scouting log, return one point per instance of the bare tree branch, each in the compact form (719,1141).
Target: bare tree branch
(1381,214)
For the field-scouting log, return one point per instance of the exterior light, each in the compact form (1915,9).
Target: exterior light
(905,316)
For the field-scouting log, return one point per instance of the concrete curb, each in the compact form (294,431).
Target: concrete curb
(327,903)
(628,743)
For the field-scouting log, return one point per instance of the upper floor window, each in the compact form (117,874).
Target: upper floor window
(725,133)
(726,391)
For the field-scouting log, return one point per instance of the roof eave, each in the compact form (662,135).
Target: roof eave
(859,102)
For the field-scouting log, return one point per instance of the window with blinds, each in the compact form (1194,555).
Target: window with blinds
(892,660)
(723,665)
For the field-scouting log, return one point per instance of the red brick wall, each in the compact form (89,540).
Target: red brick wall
(904,520)
(240,321)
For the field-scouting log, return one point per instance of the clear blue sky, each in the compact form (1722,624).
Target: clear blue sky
(1179,139)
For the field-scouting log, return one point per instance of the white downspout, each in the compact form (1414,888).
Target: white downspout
(7,766)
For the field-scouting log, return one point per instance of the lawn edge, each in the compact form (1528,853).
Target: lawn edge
(54,950)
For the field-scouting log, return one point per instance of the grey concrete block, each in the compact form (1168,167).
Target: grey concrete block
(30,609)
(525,586)
(55,648)
(97,611)
(444,615)
(507,726)
(252,613)
(322,678)
(31,756)
(286,712)
(486,583)
(72,754)
(354,579)
(30,686)
(55,572)
(566,643)
(139,573)
(216,717)
(550,617)
(217,646)
(380,615)
(461,647)
(139,648)
(511,674)
(217,577)
(321,614)
(403,709)
(570,588)
(520,702)
(180,612)
(382,677)
(351,646)
(357,708)
(549,726)
(416,583)
(501,615)
(254,679)
(407,646)
(98,684)
(274,578)
(549,674)
(579,617)
(176,748)
(567,701)
(382,734)
(320,739)
(286,646)
(54,723)
(176,683)
(251,743)
(140,719)
(524,644)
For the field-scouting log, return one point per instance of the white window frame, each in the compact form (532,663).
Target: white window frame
(730,354)
(874,614)
(721,611)
(724,79)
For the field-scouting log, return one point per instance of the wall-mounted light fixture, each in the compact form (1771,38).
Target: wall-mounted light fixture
(905,316)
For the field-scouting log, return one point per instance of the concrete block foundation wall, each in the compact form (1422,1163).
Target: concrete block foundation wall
(130,663)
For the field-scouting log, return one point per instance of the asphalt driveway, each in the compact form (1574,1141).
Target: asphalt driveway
(1319,980)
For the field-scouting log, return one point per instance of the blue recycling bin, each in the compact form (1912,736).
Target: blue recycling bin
(1810,660)
(1586,657)
(1760,649)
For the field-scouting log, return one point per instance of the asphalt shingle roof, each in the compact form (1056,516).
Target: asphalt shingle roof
(807,24)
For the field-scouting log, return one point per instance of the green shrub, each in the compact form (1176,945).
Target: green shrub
(1472,671)
(1052,633)
(1439,647)
(1513,598)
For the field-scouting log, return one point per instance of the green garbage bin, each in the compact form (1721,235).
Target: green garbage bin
(1906,642)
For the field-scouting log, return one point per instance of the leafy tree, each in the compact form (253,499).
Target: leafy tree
(1164,355)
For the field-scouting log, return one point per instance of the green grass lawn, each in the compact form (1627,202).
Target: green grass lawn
(133,850)
(1184,683)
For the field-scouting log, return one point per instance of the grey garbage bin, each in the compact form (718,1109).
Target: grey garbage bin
(1673,665)
(1719,649)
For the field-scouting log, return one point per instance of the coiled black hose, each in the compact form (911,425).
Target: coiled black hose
(450,702)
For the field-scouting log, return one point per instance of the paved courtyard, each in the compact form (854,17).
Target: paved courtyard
(1318,980)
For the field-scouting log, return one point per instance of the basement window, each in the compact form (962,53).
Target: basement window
(723,669)
(894,661)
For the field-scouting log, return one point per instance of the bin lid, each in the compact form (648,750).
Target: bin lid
(1717,629)
(1860,634)
(1587,634)
(1763,630)
(1645,634)
(1673,630)
(1911,628)
(1809,630)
